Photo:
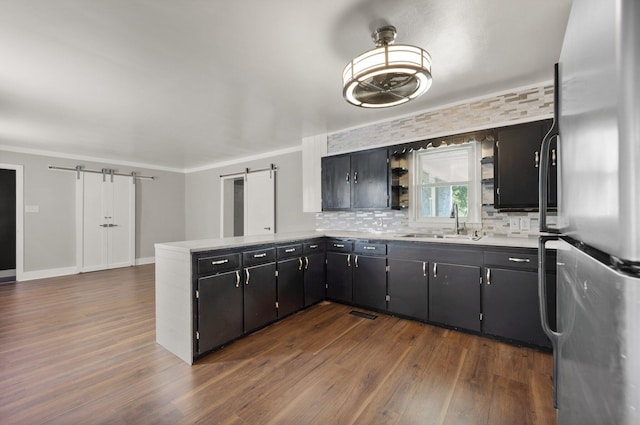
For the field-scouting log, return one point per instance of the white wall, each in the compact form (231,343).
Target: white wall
(49,235)
(203,196)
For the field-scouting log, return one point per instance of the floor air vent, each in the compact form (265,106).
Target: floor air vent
(361,314)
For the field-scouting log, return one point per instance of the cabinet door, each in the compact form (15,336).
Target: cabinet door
(370,282)
(370,177)
(409,288)
(259,296)
(339,278)
(336,182)
(219,310)
(314,279)
(454,295)
(290,286)
(510,306)
(516,166)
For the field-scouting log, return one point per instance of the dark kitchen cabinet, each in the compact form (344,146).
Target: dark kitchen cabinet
(314,273)
(356,181)
(339,277)
(336,182)
(510,297)
(516,167)
(408,288)
(260,293)
(454,295)
(290,286)
(370,282)
(219,304)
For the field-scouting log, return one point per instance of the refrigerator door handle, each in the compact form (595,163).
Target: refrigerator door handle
(554,336)
(543,171)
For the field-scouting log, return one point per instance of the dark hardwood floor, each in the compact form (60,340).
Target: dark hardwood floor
(81,350)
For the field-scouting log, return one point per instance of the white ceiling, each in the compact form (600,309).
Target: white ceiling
(186,83)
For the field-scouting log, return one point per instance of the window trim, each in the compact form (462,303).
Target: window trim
(473,191)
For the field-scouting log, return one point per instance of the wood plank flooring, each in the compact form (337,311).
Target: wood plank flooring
(81,350)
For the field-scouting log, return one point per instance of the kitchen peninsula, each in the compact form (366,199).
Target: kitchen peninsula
(211,292)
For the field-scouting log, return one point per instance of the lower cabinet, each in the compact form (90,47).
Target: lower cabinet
(454,295)
(219,306)
(290,286)
(259,296)
(408,288)
(510,306)
(370,282)
(339,277)
(314,279)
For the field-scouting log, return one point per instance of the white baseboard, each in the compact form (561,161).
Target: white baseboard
(42,274)
(146,260)
(65,271)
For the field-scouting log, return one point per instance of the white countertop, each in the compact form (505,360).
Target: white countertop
(221,243)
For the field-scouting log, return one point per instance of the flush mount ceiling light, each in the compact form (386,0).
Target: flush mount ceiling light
(389,75)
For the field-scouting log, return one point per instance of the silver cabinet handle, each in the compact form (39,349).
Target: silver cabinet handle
(435,269)
(246,271)
(355,177)
(313,246)
(267,228)
(290,250)
(300,267)
(261,255)
(424,268)
(103,225)
(237,279)
(356,261)
(338,245)
(370,248)
(218,262)
(537,159)
(348,178)
(306,263)
(488,276)
(519,260)
(553,157)
(348,260)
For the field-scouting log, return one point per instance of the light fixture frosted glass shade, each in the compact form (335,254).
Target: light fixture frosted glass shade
(388,75)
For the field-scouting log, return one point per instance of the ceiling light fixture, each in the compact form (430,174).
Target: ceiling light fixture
(389,75)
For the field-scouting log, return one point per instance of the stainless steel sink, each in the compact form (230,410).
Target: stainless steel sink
(452,236)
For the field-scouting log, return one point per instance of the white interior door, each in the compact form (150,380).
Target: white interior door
(106,215)
(260,211)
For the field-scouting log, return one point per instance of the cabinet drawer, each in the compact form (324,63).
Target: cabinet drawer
(259,256)
(289,251)
(338,245)
(218,264)
(366,248)
(313,247)
(513,260)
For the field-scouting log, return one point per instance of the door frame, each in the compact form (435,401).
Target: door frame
(19,169)
(224,181)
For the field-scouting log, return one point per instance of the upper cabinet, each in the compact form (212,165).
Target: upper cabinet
(516,166)
(356,181)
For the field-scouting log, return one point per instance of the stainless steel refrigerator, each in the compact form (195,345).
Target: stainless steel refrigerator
(597,341)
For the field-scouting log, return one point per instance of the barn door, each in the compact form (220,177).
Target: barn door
(106,221)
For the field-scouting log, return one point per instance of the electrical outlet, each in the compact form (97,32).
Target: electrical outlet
(514,223)
(525,224)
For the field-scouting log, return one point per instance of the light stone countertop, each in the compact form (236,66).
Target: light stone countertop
(234,242)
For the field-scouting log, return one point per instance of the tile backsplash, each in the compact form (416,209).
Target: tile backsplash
(494,223)
(529,104)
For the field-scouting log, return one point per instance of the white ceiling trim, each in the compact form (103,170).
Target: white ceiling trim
(245,159)
(88,158)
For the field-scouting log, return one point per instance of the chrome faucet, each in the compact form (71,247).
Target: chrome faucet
(454,214)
